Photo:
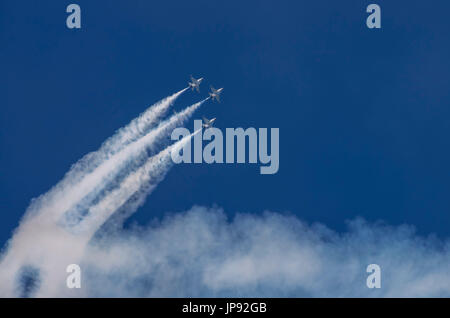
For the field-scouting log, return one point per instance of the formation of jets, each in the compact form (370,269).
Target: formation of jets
(214,94)
(195,84)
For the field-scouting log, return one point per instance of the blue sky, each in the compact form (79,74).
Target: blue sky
(363,114)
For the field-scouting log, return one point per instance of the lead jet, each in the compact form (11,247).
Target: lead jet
(195,83)
(207,123)
(215,93)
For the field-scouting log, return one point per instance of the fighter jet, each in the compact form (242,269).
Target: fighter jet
(208,122)
(195,83)
(215,93)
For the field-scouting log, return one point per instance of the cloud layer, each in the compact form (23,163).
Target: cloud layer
(200,253)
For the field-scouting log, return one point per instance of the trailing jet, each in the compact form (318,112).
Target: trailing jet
(208,122)
(195,83)
(215,93)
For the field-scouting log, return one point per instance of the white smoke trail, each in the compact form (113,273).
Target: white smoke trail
(137,128)
(93,183)
(124,136)
(140,182)
(140,125)
(41,237)
(53,207)
(73,245)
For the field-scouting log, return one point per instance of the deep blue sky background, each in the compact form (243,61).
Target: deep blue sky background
(363,114)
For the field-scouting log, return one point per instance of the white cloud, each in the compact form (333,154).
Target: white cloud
(201,253)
